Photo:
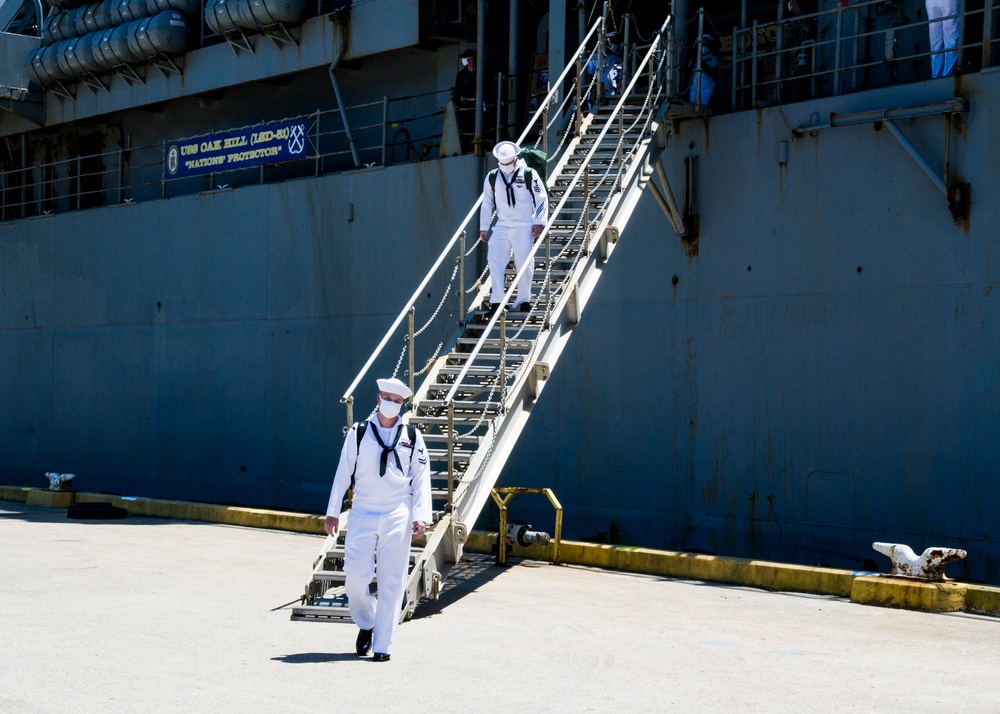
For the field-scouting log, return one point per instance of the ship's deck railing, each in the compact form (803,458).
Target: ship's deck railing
(863,45)
(390,131)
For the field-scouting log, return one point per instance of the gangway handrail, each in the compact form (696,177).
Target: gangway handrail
(529,261)
(449,247)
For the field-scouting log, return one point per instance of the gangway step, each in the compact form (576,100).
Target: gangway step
(514,317)
(527,327)
(602,154)
(467,407)
(553,273)
(494,343)
(474,380)
(321,613)
(461,422)
(576,193)
(467,392)
(432,437)
(562,185)
(517,322)
(513,360)
(474,371)
(457,454)
(589,140)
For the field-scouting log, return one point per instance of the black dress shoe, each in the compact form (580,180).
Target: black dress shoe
(491,310)
(524,307)
(379,657)
(364,643)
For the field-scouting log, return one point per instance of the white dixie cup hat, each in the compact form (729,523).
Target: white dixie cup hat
(394,386)
(506,151)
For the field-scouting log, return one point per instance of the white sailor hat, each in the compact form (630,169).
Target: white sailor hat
(506,151)
(394,386)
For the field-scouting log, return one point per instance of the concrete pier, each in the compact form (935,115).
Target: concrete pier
(177,616)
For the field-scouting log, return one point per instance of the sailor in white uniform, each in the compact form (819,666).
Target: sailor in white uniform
(518,195)
(388,470)
(943,35)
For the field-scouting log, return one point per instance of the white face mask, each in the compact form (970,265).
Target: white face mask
(465,61)
(508,170)
(390,410)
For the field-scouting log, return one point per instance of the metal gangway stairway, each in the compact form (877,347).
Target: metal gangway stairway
(479,384)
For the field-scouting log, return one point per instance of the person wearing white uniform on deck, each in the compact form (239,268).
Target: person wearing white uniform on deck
(518,195)
(943,35)
(392,498)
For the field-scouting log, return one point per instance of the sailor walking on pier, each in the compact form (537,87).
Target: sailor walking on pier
(385,462)
(518,195)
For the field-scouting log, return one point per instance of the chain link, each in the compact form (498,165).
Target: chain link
(399,362)
(447,292)
(479,281)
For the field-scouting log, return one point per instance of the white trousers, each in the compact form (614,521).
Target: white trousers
(943,35)
(505,239)
(385,536)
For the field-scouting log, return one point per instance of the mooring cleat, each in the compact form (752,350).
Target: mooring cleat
(927,566)
(59,482)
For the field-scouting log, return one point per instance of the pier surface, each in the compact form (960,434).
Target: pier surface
(157,615)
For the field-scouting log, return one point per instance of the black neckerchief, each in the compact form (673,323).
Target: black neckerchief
(511,199)
(386,450)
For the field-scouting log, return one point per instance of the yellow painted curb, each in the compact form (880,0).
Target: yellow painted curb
(909,594)
(182,510)
(49,499)
(212,513)
(736,571)
(15,493)
(983,599)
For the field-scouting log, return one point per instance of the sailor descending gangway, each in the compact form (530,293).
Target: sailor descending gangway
(479,386)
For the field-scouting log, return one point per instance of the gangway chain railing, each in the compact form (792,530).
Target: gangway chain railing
(480,385)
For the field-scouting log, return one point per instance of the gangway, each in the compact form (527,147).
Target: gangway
(479,386)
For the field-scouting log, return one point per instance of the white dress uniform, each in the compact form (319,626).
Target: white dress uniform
(382,513)
(943,35)
(518,208)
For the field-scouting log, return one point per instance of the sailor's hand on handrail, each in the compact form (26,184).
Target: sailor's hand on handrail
(419,528)
(330,525)
(484,236)
(536,230)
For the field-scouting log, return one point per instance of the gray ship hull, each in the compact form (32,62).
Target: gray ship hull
(822,373)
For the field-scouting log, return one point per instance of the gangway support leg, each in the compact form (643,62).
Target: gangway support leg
(539,373)
(458,535)
(667,201)
(573,305)
(608,238)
